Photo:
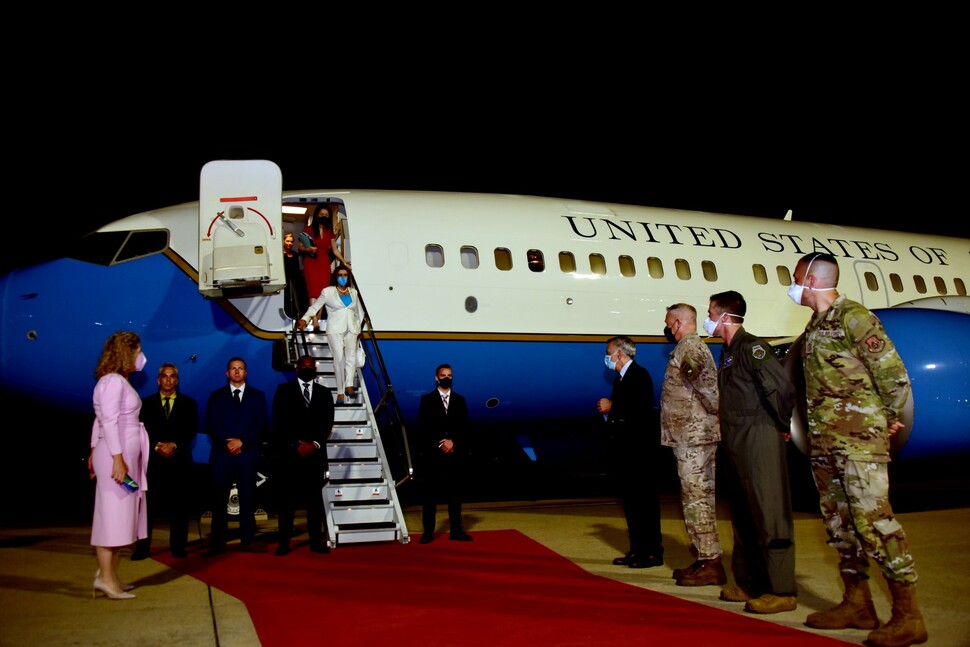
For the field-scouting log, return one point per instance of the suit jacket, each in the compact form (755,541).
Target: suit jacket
(340,318)
(180,427)
(294,421)
(434,424)
(247,420)
(632,419)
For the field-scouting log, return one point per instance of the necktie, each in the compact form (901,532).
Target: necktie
(306,393)
(444,400)
(167,405)
(237,393)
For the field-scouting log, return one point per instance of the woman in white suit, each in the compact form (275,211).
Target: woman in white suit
(343,328)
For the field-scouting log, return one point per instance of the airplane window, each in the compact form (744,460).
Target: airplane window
(784,277)
(871,281)
(710,272)
(469,257)
(961,287)
(113,247)
(760,275)
(655,267)
(940,284)
(627,267)
(683,269)
(597,264)
(567,262)
(920,284)
(503,259)
(536,261)
(434,255)
(896,282)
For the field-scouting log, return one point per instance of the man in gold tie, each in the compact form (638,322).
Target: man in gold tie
(172,420)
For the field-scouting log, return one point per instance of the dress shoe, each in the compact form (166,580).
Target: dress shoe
(351,392)
(282,549)
(323,549)
(702,573)
(769,603)
(461,535)
(124,587)
(636,560)
(214,551)
(427,538)
(140,554)
(253,547)
(622,561)
(100,586)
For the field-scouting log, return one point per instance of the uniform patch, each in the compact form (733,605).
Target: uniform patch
(758,351)
(875,344)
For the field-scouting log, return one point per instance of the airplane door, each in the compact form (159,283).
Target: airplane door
(871,285)
(240,228)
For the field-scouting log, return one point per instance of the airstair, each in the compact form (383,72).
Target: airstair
(360,498)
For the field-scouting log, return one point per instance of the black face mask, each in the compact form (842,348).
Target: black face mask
(669,334)
(306,374)
(445,382)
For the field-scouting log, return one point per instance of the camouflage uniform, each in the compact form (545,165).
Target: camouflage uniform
(688,424)
(855,385)
(757,400)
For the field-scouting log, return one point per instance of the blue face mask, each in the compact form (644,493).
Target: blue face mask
(608,360)
(342,281)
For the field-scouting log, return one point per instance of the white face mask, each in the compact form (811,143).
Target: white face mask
(710,326)
(140,361)
(795,292)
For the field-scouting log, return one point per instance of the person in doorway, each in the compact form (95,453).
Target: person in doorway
(302,421)
(757,400)
(633,446)
(344,320)
(442,447)
(317,259)
(856,387)
(295,297)
(172,421)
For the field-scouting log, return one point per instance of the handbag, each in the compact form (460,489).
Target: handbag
(361,356)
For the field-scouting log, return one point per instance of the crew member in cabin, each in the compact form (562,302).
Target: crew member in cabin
(633,448)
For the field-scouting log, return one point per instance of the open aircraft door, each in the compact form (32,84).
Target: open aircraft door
(240,229)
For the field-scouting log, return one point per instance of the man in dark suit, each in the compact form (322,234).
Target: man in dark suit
(172,420)
(236,420)
(302,421)
(442,447)
(633,446)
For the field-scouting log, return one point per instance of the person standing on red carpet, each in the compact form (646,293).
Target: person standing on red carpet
(442,448)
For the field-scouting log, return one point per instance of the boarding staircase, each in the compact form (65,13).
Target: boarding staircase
(360,498)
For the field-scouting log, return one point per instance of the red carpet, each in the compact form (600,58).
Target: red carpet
(501,589)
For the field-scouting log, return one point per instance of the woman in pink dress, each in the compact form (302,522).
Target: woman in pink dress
(119,449)
(316,257)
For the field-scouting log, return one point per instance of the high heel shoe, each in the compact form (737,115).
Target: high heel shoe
(100,586)
(124,587)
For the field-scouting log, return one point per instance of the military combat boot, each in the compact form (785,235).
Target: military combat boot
(855,610)
(703,572)
(906,627)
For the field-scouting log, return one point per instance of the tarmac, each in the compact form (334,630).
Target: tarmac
(46,573)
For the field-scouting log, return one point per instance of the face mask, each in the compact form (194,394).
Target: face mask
(795,292)
(342,281)
(610,364)
(140,361)
(669,335)
(445,382)
(710,326)
(306,374)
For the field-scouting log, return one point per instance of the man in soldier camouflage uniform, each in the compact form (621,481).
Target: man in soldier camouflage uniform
(856,386)
(688,425)
(757,399)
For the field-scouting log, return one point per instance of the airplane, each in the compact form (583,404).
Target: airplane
(518,293)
